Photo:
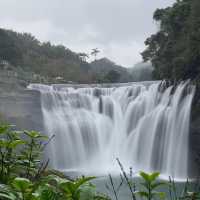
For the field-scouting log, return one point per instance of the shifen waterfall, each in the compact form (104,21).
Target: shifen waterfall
(146,126)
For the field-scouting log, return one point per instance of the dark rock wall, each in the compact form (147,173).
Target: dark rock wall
(194,142)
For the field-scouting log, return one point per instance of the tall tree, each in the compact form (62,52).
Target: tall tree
(95,53)
(175,49)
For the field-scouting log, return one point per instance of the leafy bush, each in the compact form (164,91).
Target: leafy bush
(23,176)
(50,188)
(20,153)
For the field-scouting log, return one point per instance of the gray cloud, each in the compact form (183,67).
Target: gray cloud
(117,27)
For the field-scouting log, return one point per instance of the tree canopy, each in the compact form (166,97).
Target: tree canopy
(175,49)
(9,50)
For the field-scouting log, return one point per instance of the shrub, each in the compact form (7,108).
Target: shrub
(24,177)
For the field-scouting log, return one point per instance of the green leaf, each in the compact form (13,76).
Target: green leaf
(21,184)
(15,143)
(154,176)
(3,143)
(87,191)
(68,187)
(55,178)
(8,196)
(160,194)
(35,134)
(141,194)
(4,129)
(46,192)
(145,176)
(101,197)
(7,192)
(83,180)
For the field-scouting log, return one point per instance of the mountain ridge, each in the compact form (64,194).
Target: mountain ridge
(56,63)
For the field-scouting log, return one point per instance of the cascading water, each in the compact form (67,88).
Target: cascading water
(145,126)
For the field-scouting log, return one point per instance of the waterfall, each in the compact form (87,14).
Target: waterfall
(146,126)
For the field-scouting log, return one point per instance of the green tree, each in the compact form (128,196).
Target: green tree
(175,49)
(9,51)
(112,76)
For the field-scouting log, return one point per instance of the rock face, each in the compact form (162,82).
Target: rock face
(195,133)
(18,105)
(195,145)
(21,108)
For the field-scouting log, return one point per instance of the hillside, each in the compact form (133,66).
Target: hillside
(45,59)
(54,63)
(103,66)
(141,71)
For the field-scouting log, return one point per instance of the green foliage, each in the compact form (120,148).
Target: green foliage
(50,63)
(51,188)
(112,76)
(23,177)
(175,50)
(20,153)
(44,59)
(9,50)
(104,69)
(31,153)
(150,185)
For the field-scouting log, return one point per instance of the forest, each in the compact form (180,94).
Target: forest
(175,49)
(56,63)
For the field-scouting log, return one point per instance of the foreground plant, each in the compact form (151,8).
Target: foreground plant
(150,184)
(9,142)
(50,188)
(32,152)
(24,177)
(20,153)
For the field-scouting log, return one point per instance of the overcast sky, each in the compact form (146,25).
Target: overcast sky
(117,27)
